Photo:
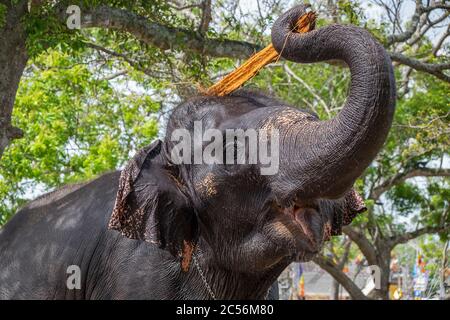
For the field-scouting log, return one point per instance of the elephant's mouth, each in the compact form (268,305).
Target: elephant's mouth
(309,222)
(299,228)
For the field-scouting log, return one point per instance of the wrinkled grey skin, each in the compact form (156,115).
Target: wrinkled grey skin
(248,227)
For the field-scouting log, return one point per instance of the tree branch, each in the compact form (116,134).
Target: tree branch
(206,17)
(161,36)
(405,237)
(440,42)
(436,6)
(168,37)
(402,177)
(112,53)
(114,75)
(181,7)
(367,249)
(418,26)
(421,32)
(309,88)
(343,260)
(415,20)
(327,265)
(435,69)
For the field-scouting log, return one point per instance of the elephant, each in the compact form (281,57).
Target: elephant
(159,229)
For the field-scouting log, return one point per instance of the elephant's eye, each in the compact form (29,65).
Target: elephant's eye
(276,206)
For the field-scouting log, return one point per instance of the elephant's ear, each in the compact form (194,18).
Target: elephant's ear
(344,211)
(151,204)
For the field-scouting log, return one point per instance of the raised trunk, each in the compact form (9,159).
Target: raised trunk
(324,158)
(13,58)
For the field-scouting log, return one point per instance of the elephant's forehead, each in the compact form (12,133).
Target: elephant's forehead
(214,110)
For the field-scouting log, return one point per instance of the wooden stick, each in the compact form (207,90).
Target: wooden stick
(251,67)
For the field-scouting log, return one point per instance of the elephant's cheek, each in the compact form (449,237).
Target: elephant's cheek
(296,237)
(282,232)
(312,225)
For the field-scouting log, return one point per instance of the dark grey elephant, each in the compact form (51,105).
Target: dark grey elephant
(202,231)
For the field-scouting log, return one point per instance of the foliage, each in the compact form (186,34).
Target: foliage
(76,126)
(3,11)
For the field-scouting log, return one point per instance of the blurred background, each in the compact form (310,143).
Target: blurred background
(80,102)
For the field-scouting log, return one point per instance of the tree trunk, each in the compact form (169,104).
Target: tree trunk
(13,59)
(384,263)
(335,287)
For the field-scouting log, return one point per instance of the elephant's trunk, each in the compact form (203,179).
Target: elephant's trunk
(326,157)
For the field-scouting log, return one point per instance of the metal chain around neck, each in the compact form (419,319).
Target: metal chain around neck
(202,275)
(205,282)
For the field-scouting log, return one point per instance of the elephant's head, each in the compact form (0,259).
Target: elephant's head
(243,220)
